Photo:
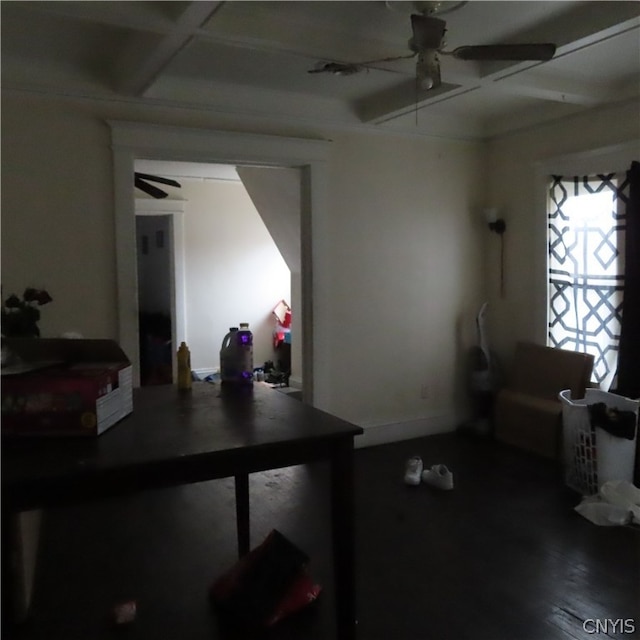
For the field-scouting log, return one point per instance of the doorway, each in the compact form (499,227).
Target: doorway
(233,255)
(160,290)
(131,140)
(153,241)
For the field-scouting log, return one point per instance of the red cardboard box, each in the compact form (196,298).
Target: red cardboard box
(55,387)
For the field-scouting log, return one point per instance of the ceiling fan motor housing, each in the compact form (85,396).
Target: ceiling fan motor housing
(428,33)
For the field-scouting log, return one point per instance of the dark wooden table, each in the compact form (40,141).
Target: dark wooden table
(174,438)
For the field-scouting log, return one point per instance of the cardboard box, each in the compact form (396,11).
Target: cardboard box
(56,387)
(528,413)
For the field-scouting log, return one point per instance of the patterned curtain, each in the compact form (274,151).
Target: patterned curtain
(586,227)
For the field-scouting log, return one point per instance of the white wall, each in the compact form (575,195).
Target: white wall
(405,277)
(234,272)
(397,257)
(57,214)
(517,164)
(277,194)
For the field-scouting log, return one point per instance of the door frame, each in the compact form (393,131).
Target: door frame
(134,140)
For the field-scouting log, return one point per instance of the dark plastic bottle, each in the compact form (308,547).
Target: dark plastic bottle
(236,356)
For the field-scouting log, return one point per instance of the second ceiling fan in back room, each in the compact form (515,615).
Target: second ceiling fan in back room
(142,181)
(427,43)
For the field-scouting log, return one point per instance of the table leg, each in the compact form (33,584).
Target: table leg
(11,583)
(242,513)
(343,531)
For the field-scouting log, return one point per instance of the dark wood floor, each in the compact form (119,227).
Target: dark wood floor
(501,557)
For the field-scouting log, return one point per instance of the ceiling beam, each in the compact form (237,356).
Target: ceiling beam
(142,16)
(399,100)
(554,89)
(546,86)
(146,55)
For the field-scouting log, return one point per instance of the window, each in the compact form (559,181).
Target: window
(586,218)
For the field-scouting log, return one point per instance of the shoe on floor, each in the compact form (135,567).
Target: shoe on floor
(438,476)
(413,471)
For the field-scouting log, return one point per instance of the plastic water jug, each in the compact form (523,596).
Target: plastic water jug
(236,356)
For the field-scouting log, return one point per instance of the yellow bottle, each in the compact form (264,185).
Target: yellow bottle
(184,367)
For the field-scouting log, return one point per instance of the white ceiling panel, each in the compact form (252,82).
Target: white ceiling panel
(253,59)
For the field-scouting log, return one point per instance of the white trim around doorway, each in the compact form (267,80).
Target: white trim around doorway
(133,140)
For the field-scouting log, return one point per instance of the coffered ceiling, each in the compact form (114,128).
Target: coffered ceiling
(251,60)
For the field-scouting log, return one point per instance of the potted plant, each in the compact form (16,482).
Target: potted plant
(20,316)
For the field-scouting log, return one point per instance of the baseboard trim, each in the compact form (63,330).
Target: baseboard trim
(377,434)
(295,382)
(202,373)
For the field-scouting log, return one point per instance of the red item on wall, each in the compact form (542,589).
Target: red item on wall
(282,312)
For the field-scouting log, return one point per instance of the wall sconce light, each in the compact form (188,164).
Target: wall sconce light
(496,224)
(499,226)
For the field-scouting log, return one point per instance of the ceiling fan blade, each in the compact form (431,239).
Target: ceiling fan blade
(337,69)
(146,176)
(428,32)
(149,189)
(542,52)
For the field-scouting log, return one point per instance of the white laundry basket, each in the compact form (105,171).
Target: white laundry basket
(594,456)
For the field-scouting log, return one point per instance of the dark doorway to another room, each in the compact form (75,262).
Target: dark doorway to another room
(153,237)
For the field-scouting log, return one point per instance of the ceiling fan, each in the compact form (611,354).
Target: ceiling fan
(142,180)
(427,43)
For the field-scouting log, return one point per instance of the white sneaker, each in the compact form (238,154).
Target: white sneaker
(438,476)
(413,471)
